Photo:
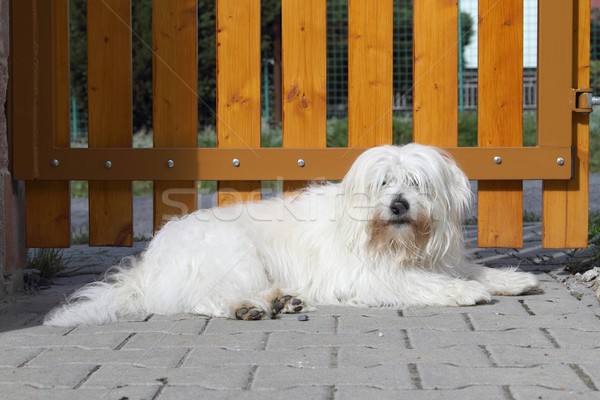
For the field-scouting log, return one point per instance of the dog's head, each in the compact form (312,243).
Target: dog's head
(410,199)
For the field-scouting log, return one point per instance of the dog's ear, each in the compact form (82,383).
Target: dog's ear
(458,183)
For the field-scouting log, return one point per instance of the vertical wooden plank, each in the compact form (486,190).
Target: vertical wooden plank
(47,203)
(435,100)
(110,115)
(238,88)
(565,204)
(370,52)
(304,69)
(500,123)
(175,81)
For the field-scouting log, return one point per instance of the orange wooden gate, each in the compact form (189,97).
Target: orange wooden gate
(39,109)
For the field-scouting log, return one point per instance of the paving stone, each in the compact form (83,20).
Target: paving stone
(66,377)
(557,305)
(159,357)
(430,339)
(590,373)
(347,310)
(302,358)
(444,376)
(196,392)
(12,358)
(366,324)
(369,357)
(472,392)
(235,341)
(277,377)
(315,324)
(300,340)
(575,339)
(486,322)
(15,320)
(91,341)
(210,377)
(174,326)
(500,305)
(26,392)
(27,324)
(537,392)
(512,356)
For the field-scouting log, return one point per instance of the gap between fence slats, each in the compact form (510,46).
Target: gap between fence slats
(500,122)
(304,70)
(110,115)
(238,88)
(175,82)
(435,104)
(48,203)
(370,60)
(565,204)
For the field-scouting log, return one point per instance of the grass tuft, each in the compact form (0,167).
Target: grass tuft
(48,261)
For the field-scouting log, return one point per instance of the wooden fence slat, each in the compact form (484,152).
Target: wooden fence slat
(565,204)
(435,101)
(175,66)
(304,70)
(370,57)
(500,112)
(48,203)
(110,115)
(238,87)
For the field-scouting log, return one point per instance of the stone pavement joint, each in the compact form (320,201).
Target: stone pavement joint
(542,345)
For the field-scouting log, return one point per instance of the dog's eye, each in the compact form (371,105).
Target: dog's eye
(415,183)
(383,183)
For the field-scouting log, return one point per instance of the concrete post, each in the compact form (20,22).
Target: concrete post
(13,255)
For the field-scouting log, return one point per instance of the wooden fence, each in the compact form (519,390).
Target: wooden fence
(39,109)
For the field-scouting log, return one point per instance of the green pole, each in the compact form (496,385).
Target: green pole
(267,112)
(460,63)
(73,117)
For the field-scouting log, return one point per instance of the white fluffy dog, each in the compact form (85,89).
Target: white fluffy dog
(389,235)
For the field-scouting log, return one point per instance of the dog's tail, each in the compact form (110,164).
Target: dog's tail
(101,302)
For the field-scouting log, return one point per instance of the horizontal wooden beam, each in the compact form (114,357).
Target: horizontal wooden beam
(279,163)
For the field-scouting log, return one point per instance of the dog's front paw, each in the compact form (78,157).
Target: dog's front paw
(468,293)
(249,313)
(288,305)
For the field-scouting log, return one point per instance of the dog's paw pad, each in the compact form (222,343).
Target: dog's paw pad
(249,313)
(288,305)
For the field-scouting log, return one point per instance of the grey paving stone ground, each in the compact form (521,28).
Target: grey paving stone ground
(539,346)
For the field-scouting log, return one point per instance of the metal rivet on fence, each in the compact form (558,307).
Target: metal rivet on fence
(107,164)
(497,160)
(560,161)
(301,163)
(236,162)
(54,163)
(170,163)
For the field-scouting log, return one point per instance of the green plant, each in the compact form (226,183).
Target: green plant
(402,129)
(529,216)
(48,261)
(81,236)
(337,132)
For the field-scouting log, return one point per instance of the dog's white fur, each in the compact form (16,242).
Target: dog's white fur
(330,244)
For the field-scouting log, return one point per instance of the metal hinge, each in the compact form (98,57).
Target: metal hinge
(584,100)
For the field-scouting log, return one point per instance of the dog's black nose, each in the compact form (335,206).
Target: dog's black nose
(399,206)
